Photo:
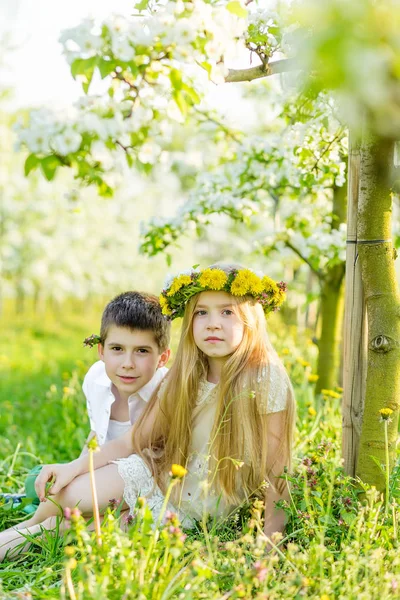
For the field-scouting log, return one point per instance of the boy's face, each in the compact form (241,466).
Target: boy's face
(131,357)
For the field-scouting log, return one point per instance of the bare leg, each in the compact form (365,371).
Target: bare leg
(13,538)
(44,511)
(108,484)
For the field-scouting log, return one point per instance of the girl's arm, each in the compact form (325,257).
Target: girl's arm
(278,458)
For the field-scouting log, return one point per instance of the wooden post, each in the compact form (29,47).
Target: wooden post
(355,326)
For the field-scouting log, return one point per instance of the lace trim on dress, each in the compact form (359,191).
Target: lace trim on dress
(138,481)
(206,392)
(273,378)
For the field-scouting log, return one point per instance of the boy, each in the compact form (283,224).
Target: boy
(133,351)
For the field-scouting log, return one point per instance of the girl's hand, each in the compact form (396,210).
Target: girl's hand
(53,478)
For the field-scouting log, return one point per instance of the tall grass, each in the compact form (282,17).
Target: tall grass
(339,541)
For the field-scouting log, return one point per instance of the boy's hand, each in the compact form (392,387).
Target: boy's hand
(53,478)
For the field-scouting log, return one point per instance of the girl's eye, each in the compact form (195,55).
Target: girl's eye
(228,312)
(200,312)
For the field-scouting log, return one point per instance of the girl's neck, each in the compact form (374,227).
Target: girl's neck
(214,369)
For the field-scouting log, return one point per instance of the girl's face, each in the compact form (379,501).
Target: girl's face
(217,326)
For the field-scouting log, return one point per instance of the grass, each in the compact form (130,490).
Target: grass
(334,546)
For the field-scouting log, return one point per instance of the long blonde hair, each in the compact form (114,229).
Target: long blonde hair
(239,431)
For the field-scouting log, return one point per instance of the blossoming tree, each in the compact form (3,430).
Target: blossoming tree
(262,185)
(152,62)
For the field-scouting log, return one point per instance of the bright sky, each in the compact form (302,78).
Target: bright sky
(35,67)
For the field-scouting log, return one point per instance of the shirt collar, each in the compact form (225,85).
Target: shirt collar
(103,380)
(145,392)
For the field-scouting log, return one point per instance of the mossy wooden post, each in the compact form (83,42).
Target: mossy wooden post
(376,256)
(354,338)
(331,307)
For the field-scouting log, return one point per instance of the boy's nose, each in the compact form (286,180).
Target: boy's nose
(128,362)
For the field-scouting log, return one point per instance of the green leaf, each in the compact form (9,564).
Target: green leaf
(129,159)
(318,501)
(237,9)
(31,163)
(84,67)
(191,92)
(207,67)
(348,517)
(49,166)
(105,190)
(176,78)
(105,67)
(141,5)
(180,101)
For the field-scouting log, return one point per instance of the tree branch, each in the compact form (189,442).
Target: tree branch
(278,66)
(318,272)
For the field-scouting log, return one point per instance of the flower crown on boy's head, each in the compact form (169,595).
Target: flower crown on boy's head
(238,282)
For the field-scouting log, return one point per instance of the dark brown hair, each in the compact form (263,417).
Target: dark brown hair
(137,310)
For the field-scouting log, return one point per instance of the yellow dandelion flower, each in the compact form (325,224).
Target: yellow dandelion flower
(313,378)
(385,413)
(303,362)
(178,283)
(166,311)
(269,285)
(256,286)
(240,285)
(324,597)
(330,393)
(163,301)
(285,351)
(312,412)
(178,471)
(215,279)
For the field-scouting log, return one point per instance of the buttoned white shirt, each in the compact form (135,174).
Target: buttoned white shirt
(97,387)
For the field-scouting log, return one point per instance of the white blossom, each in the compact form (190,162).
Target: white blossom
(66,142)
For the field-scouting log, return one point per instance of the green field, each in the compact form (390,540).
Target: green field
(334,546)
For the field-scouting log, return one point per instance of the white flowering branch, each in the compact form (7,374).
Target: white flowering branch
(263,70)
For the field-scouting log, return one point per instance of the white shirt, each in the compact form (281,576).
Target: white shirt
(97,387)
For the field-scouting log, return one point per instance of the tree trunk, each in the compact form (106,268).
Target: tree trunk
(355,330)
(331,307)
(331,313)
(383,307)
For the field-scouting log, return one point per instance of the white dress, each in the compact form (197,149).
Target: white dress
(195,497)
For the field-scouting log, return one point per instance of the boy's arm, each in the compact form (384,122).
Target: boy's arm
(85,446)
(62,474)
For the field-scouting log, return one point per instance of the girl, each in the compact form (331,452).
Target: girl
(225,411)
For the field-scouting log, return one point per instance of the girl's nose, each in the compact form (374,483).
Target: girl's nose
(214,323)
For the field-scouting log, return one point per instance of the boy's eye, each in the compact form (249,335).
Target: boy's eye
(143,351)
(116,348)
